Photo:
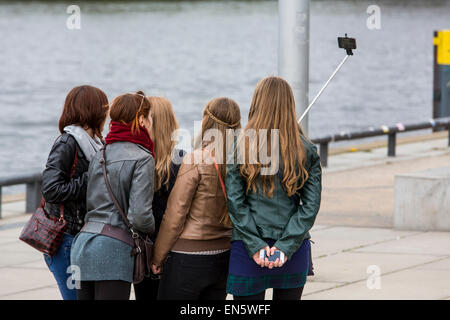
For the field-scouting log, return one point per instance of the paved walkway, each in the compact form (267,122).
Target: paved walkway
(354,241)
(358,187)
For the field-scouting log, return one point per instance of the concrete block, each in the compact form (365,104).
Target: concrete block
(422,200)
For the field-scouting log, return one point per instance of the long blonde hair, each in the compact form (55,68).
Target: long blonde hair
(273,107)
(221,114)
(164,124)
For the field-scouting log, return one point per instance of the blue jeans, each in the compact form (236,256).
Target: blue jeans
(58,265)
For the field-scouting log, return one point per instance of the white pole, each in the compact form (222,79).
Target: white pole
(323,88)
(293,51)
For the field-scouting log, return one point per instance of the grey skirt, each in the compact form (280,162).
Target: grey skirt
(97,258)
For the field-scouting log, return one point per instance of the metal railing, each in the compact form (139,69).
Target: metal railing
(33,184)
(390,131)
(33,181)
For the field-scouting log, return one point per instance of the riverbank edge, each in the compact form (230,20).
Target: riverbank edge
(362,147)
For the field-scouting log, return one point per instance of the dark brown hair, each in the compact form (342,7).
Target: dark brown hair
(128,107)
(85,106)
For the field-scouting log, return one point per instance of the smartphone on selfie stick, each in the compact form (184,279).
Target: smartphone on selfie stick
(349,44)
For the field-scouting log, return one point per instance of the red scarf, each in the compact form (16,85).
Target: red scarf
(119,131)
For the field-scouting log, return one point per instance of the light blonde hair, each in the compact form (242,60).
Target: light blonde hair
(273,107)
(164,124)
(221,114)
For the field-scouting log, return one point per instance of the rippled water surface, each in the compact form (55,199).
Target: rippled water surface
(191,52)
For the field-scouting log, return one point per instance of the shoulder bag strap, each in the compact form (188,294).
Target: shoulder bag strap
(111,194)
(222,184)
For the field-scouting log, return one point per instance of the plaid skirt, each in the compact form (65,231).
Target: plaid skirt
(246,278)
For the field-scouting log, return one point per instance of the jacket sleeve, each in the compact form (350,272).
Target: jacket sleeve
(178,207)
(238,209)
(140,213)
(302,221)
(57,186)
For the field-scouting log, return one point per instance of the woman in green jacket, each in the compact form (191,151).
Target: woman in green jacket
(272,204)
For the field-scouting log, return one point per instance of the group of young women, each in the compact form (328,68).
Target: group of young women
(209,220)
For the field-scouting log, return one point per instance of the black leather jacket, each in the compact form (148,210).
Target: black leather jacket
(162,195)
(58,188)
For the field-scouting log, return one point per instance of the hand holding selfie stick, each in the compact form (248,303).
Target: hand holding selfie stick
(345,43)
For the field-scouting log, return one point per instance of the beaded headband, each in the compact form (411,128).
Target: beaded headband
(220,121)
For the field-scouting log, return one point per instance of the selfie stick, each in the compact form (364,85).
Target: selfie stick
(349,53)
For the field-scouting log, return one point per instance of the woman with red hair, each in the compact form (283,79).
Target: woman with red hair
(64,179)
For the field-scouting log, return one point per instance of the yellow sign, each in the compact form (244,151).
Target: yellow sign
(442,41)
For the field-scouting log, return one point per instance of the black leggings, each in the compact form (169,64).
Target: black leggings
(194,277)
(104,290)
(278,294)
(147,289)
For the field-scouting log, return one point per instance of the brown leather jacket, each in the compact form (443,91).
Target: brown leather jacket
(192,221)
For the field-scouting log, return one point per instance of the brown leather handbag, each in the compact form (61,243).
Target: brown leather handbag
(143,246)
(44,232)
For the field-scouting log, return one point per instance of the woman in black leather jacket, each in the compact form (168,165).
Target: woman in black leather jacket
(64,179)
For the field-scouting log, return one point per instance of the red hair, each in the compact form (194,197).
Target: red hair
(128,107)
(85,106)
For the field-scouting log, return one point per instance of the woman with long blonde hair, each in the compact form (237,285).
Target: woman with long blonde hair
(192,247)
(272,204)
(167,163)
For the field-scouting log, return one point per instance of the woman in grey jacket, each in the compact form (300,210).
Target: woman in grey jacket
(102,261)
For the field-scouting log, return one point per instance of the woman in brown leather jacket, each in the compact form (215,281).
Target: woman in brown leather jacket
(194,239)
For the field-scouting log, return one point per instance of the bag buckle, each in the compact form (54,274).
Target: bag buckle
(134,234)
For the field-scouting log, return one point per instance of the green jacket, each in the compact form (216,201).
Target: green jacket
(256,216)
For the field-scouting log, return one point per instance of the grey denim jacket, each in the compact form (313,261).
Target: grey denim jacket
(130,169)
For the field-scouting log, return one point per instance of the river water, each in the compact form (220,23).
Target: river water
(191,52)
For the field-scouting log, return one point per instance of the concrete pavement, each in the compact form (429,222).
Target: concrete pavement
(412,265)
(358,187)
(356,254)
